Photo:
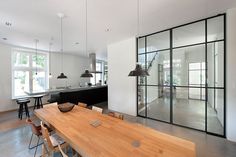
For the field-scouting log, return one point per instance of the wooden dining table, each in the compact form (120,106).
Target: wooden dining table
(112,137)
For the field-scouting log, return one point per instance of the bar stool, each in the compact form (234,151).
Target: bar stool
(23,107)
(38,101)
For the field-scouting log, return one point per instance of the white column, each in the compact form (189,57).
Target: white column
(121,88)
(231,75)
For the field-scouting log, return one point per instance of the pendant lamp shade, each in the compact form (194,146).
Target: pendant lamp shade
(62,76)
(86,74)
(139,71)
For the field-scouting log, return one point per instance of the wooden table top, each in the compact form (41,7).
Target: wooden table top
(114,137)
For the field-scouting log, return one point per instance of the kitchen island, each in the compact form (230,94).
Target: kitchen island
(89,95)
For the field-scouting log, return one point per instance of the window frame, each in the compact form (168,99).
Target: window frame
(94,78)
(30,68)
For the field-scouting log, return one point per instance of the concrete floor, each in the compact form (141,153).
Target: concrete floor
(14,143)
(186,112)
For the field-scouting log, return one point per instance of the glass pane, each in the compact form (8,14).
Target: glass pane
(141,60)
(98,78)
(158,41)
(188,112)
(158,103)
(158,68)
(40,60)
(215,60)
(203,78)
(215,28)
(195,77)
(189,34)
(141,100)
(21,59)
(194,93)
(39,81)
(99,66)
(21,82)
(182,58)
(141,45)
(215,111)
(105,73)
(203,94)
(193,66)
(203,65)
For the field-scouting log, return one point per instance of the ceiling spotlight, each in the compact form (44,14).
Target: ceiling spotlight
(8,24)
(4,38)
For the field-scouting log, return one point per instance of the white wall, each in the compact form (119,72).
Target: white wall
(5,81)
(121,88)
(73,67)
(231,75)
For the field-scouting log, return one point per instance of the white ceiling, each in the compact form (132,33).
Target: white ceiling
(37,19)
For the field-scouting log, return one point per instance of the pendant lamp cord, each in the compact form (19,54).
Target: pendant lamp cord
(61,46)
(138,22)
(50,58)
(86,28)
(36,55)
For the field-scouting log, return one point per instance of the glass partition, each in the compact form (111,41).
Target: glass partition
(186,86)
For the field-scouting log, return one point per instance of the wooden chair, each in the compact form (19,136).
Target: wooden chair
(116,115)
(98,109)
(82,104)
(65,155)
(36,131)
(51,142)
(62,153)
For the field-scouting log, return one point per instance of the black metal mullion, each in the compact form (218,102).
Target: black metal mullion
(137,86)
(225,39)
(171,76)
(188,80)
(146,77)
(206,76)
(214,80)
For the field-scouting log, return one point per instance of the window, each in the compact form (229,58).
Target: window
(98,76)
(29,73)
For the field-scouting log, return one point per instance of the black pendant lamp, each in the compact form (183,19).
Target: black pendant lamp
(138,71)
(62,75)
(86,72)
